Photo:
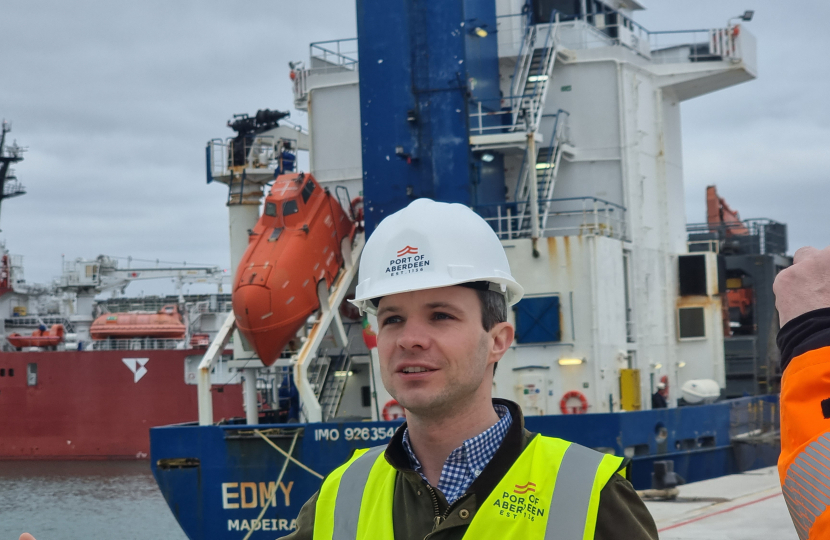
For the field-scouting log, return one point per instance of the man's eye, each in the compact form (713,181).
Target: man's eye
(439,315)
(390,320)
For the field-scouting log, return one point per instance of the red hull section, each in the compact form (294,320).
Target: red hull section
(97,404)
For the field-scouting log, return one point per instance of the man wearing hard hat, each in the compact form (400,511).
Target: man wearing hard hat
(463,465)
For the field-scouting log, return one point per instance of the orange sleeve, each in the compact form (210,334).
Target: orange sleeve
(804,464)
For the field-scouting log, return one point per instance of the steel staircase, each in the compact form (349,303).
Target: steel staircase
(335,384)
(548,159)
(532,76)
(317,373)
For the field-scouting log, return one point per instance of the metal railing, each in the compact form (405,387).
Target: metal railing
(703,45)
(608,27)
(337,52)
(572,216)
(754,416)
(545,171)
(263,152)
(550,168)
(196,303)
(13,186)
(521,72)
(300,85)
(495,116)
(750,237)
(33,321)
(336,55)
(138,344)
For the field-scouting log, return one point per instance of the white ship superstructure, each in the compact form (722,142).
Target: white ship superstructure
(593,163)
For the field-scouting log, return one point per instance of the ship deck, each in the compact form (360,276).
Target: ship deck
(735,507)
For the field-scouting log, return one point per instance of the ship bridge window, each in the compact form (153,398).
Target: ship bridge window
(692,275)
(308,189)
(270,209)
(289,207)
(542,9)
(691,323)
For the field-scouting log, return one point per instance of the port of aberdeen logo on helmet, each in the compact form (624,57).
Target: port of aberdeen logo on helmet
(407,261)
(521,503)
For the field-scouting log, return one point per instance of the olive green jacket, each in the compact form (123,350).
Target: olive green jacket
(422,512)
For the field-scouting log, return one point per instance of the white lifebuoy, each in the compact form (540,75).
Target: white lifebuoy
(573,394)
(389,412)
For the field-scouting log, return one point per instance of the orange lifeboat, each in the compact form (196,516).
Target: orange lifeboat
(164,324)
(39,338)
(295,245)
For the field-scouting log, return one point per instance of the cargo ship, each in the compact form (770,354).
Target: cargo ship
(83,378)
(559,123)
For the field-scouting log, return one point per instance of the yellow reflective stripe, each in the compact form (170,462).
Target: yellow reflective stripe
(623,471)
(324,509)
(605,471)
(375,522)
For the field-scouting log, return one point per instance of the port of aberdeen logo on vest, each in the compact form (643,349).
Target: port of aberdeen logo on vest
(407,260)
(522,503)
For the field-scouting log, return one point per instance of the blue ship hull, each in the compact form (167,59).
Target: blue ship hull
(218,479)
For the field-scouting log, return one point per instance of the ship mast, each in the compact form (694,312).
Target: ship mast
(9,185)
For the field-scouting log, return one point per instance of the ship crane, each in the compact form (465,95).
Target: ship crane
(84,279)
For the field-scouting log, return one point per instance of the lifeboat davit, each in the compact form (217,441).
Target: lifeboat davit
(39,338)
(166,323)
(295,245)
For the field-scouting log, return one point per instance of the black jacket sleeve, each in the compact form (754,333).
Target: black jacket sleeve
(805,333)
(305,521)
(622,515)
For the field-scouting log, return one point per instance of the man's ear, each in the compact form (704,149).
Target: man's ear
(502,335)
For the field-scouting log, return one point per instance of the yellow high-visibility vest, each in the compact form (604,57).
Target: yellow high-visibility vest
(553,482)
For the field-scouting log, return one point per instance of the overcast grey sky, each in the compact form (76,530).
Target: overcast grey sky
(116,100)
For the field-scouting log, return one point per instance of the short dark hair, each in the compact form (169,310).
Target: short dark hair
(493,311)
(493,308)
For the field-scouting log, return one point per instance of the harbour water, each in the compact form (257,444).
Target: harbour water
(73,500)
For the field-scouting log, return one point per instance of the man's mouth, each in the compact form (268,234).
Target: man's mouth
(414,369)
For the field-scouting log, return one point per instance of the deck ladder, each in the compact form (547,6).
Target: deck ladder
(546,168)
(532,76)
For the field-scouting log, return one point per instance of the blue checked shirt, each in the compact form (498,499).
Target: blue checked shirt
(467,461)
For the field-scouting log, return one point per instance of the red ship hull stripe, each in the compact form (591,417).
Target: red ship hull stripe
(87,404)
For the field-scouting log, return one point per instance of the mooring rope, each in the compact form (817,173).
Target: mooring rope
(283,452)
(272,499)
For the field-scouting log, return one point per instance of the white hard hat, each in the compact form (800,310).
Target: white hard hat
(428,245)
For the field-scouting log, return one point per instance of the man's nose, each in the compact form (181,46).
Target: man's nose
(414,335)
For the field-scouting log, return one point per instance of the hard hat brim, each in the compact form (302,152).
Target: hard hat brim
(512,291)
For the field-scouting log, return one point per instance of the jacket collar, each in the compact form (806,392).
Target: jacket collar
(511,448)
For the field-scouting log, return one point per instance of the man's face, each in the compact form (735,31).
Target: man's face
(434,351)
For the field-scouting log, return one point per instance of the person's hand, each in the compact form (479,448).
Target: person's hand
(804,286)
(26,536)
